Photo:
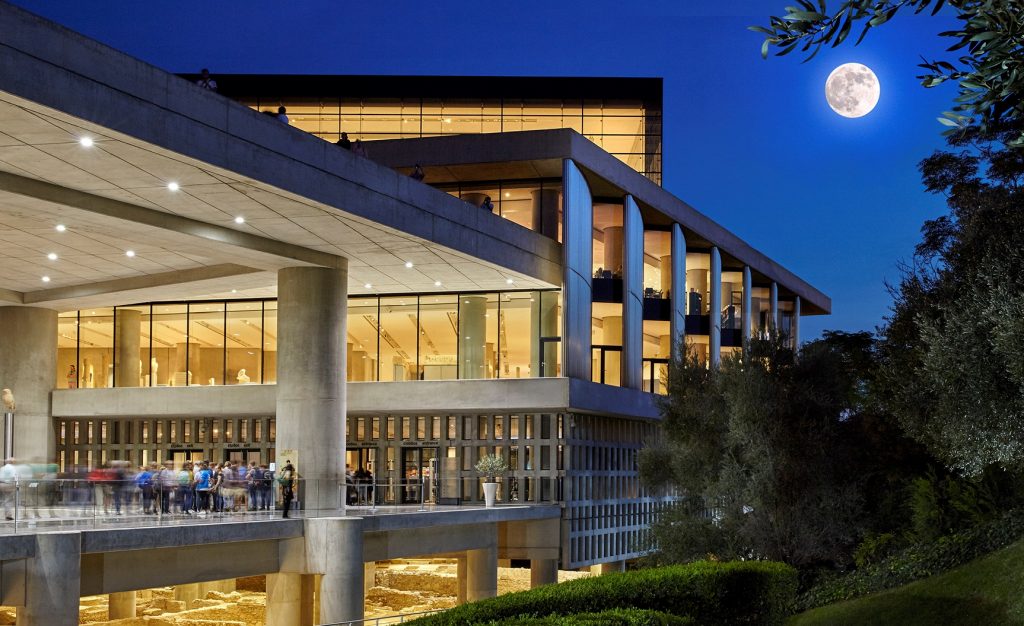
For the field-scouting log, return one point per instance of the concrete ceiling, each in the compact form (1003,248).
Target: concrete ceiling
(38,143)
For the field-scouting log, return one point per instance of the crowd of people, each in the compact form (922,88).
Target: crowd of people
(201,488)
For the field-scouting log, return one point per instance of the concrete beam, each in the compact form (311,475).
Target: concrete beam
(381,546)
(136,283)
(109,207)
(113,572)
(533,539)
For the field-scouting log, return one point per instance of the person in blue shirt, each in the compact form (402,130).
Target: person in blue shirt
(202,483)
(144,481)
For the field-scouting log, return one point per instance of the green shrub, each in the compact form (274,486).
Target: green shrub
(874,548)
(613,617)
(917,562)
(753,592)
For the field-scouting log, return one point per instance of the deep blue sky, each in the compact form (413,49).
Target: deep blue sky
(751,143)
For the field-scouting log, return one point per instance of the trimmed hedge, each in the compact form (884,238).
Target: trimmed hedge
(917,562)
(752,592)
(614,617)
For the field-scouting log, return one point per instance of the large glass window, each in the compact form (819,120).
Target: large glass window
(399,335)
(243,338)
(205,345)
(363,339)
(96,348)
(67,351)
(270,341)
(478,335)
(438,337)
(169,344)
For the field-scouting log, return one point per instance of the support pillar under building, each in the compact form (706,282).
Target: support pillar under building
(121,605)
(481,574)
(312,305)
(53,580)
(334,550)
(28,367)
(543,572)
(773,307)
(288,602)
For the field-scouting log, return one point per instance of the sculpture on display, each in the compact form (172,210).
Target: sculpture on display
(242,377)
(212,382)
(154,367)
(8,400)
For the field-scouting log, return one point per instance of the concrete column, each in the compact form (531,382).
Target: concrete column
(677,322)
(121,605)
(334,549)
(545,212)
(631,362)
(186,593)
(127,369)
(613,249)
(312,305)
(543,323)
(369,576)
(186,359)
(747,315)
(481,574)
(461,572)
(28,367)
(773,307)
(473,337)
(577,294)
(53,579)
(796,323)
(285,600)
(220,586)
(715,310)
(611,333)
(543,572)
(612,568)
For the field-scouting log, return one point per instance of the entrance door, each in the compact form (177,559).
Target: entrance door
(243,455)
(178,457)
(363,463)
(419,474)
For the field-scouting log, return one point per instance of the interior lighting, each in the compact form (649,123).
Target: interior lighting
(509,281)
(368,286)
(129,253)
(234,291)
(508,194)
(52,256)
(61,228)
(86,142)
(239,220)
(173,186)
(408,264)
(437,283)
(46,279)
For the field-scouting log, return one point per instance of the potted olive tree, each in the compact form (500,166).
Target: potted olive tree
(490,467)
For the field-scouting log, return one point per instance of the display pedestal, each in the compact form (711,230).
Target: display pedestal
(490,491)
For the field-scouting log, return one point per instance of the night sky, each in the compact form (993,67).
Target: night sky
(751,143)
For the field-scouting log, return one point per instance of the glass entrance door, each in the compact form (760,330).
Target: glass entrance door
(243,455)
(178,457)
(419,475)
(363,463)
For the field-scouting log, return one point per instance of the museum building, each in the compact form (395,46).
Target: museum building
(186,278)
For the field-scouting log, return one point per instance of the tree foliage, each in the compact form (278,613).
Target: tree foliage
(989,41)
(767,451)
(953,354)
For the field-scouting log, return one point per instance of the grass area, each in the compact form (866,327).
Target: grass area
(985,592)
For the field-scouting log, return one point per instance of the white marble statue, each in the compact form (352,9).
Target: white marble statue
(8,399)
(242,377)
(212,381)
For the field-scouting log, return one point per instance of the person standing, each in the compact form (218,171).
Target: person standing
(205,81)
(359,149)
(167,481)
(345,142)
(282,115)
(417,173)
(202,484)
(287,482)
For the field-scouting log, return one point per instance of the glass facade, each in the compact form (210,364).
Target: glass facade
(628,129)
(512,334)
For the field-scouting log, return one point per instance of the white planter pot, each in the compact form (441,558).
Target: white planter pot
(490,491)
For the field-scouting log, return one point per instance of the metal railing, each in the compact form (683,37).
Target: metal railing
(386,619)
(31,503)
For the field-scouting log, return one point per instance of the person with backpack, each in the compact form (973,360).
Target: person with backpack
(253,482)
(184,499)
(266,488)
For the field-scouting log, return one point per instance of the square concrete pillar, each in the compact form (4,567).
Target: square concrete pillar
(289,601)
(121,605)
(481,574)
(460,574)
(334,549)
(53,581)
(543,572)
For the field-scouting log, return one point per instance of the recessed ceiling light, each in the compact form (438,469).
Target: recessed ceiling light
(86,142)
(509,281)
(368,286)
(507,194)
(46,279)
(437,283)
(61,228)
(52,256)
(234,291)
(129,253)
(239,220)
(408,264)
(173,186)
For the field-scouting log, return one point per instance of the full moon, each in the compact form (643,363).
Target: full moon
(852,90)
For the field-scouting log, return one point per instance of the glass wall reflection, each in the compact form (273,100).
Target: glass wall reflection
(513,334)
